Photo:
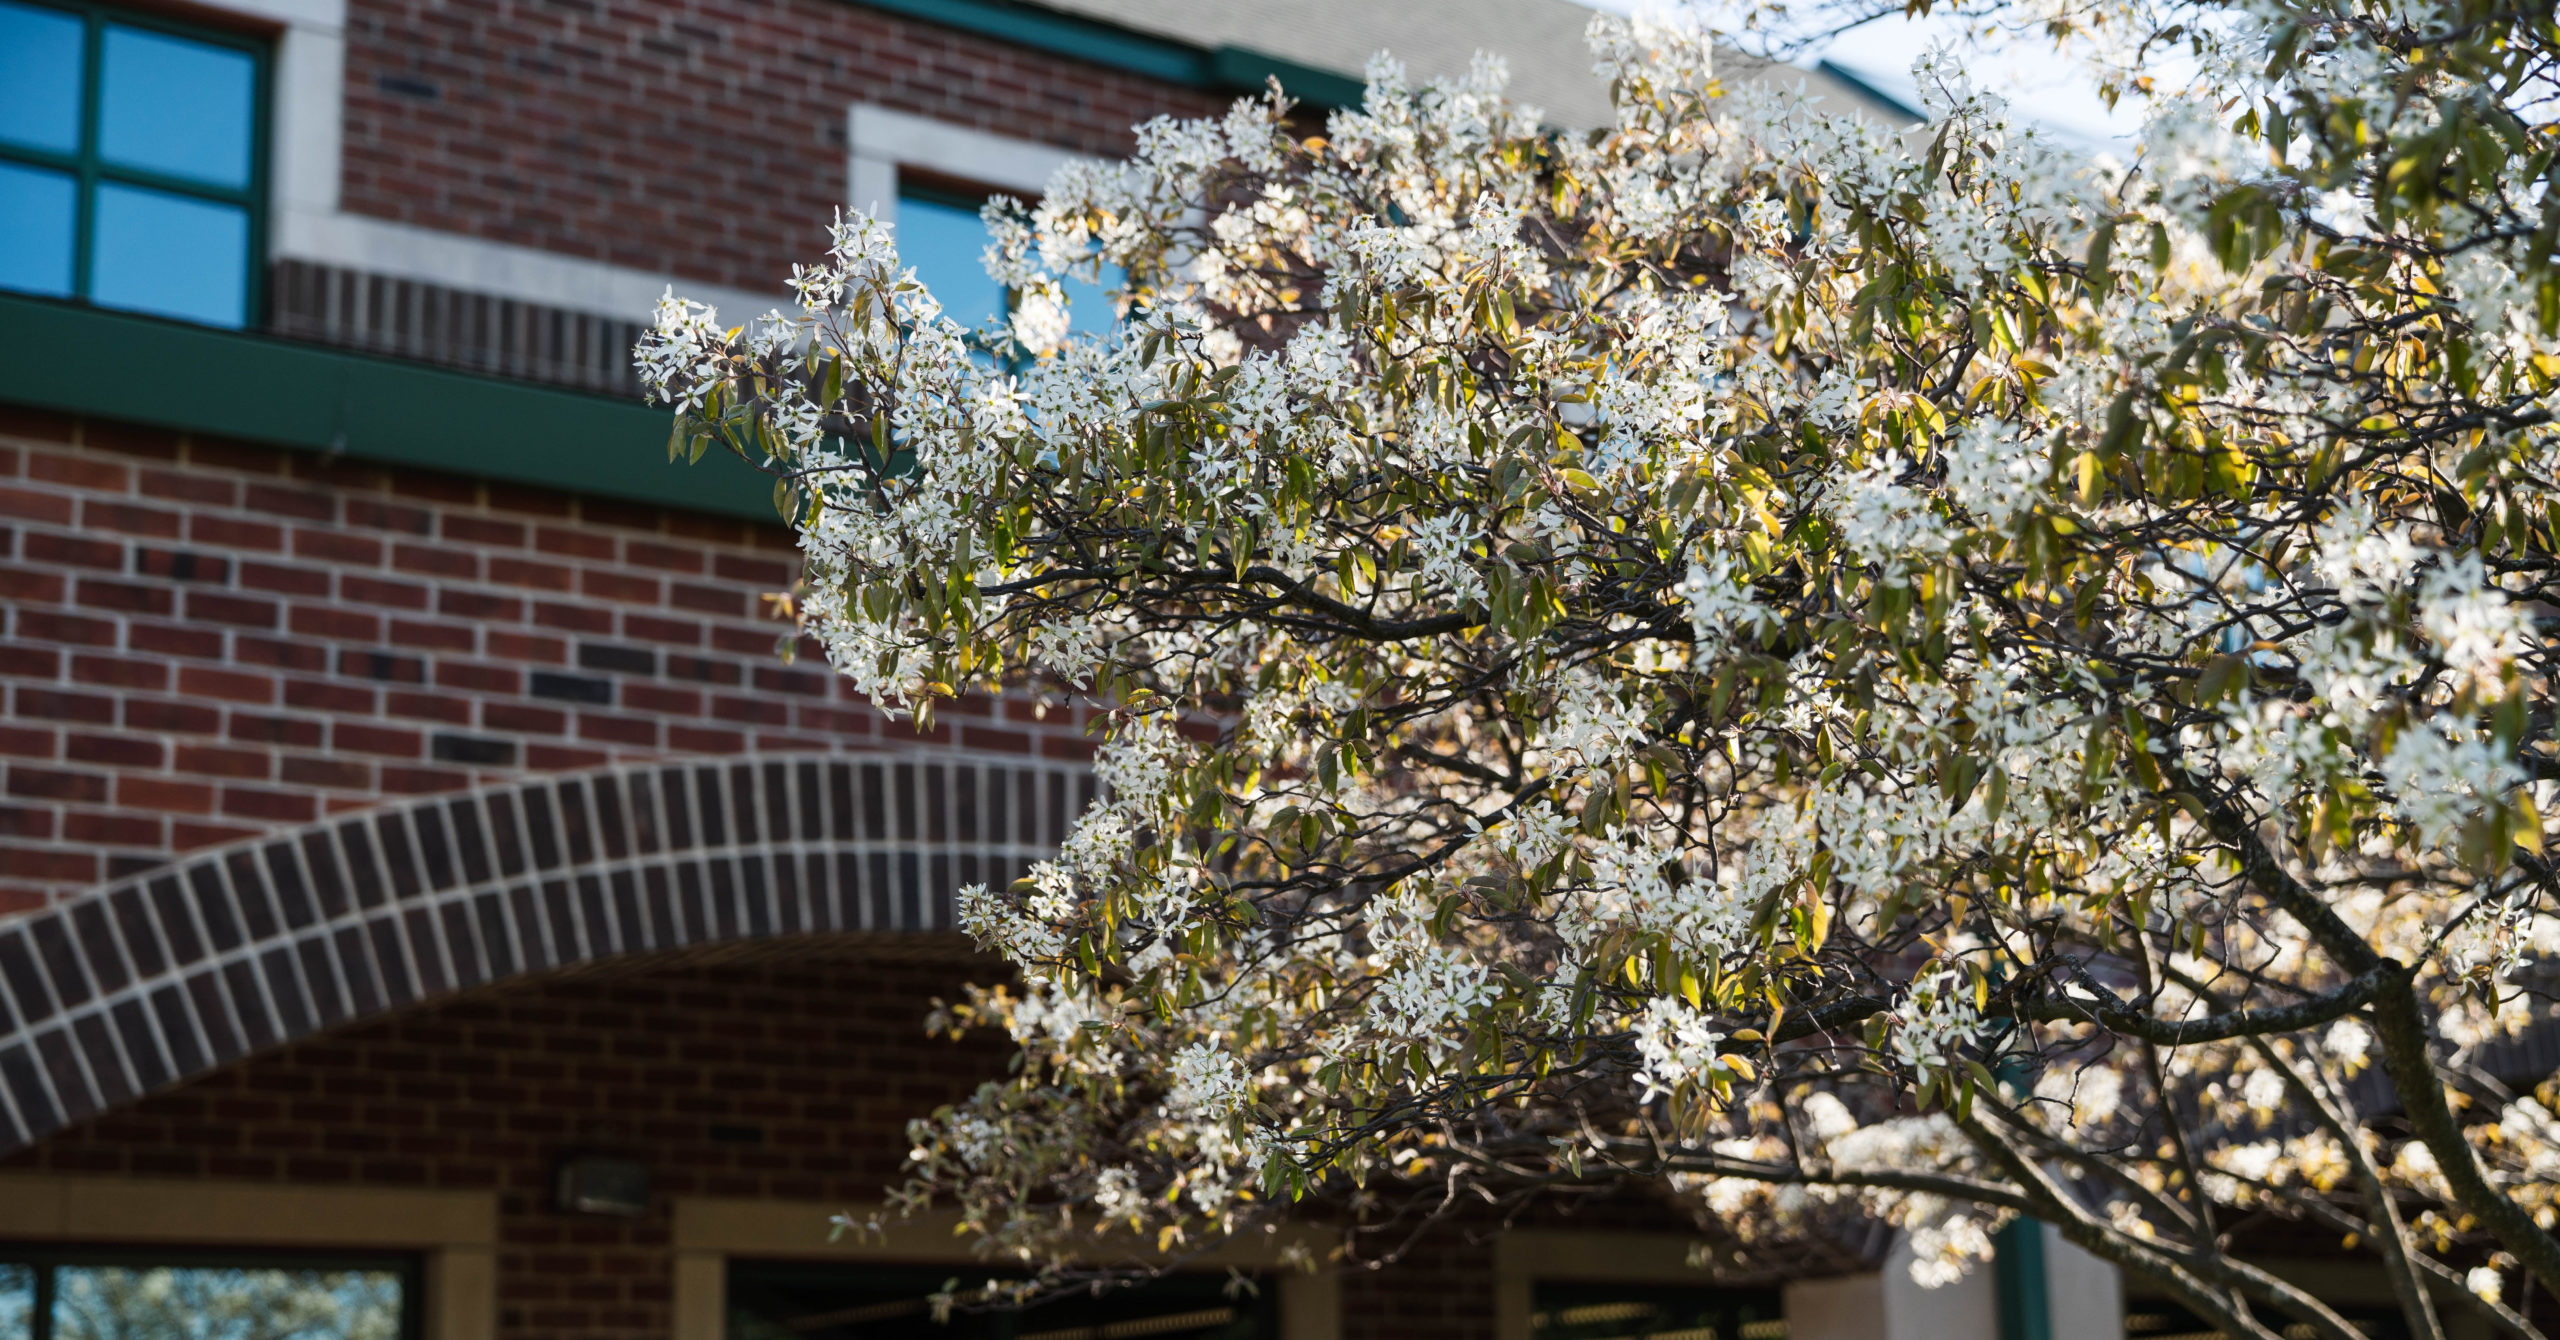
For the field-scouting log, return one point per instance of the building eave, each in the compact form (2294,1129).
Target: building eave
(1216,69)
(169,374)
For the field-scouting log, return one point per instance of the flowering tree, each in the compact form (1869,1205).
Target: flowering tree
(1841,672)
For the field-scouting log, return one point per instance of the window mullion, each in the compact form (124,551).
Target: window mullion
(40,1325)
(43,158)
(85,199)
(262,102)
(194,190)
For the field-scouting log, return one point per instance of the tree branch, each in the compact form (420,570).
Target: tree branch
(2406,1058)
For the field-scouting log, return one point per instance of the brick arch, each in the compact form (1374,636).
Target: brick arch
(146,982)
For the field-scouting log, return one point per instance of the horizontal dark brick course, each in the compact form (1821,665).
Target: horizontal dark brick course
(624,660)
(570,688)
(475,750)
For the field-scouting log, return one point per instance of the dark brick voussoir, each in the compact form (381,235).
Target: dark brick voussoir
(144,983)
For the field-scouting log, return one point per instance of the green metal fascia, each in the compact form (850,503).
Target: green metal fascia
(1244,69)
(1227,69)
(169,374)
(1067,35)
(1889,103)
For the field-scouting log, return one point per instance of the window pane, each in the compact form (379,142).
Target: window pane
(17,1301)
(170,255)
(1089,310)
(771,1300)
(39,77)
(224,1303)
(175,106)
(943,242)
(35,230)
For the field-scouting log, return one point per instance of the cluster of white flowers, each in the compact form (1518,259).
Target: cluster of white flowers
(997,922)
(1426,996)
(1442,544)
(1675,1047)
(1533,835)
(686,340)
(1116,1193)
(1207,1082)
(1935,1019)
(1590,722)
(2188,146)
(2366,561)
(1996,471)
(1884,521)
(1946,1246)
(1136,767)
(1653,582)
(2477,629)
(1720,603)
(2442,775)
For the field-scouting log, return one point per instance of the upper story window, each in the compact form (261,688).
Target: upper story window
(940,234)
(130,161)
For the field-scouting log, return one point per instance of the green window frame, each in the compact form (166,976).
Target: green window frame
(91,169)
(30,1276)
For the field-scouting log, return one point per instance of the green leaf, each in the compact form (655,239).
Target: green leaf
(2223,676)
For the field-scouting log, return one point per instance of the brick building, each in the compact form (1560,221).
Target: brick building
(409,832)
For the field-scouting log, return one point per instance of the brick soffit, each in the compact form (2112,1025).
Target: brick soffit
(144,983)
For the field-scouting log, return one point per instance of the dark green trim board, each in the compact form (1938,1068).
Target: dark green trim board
(169,374)
(1861,83)
(1085,39)
(1229,69)
(1245,69)
(2026,1301)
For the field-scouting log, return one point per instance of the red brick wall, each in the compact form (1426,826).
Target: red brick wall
(785,1080)
(202,640)
(1440,1289)
(788,1081)
(705,137)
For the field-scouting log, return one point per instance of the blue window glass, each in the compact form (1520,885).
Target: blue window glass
(17,1300)
(39,78)
(129,161)
(945,243)
(1089,309)
(70,1293)
(170,255)
(179,108)
(38,217)
(128,1302)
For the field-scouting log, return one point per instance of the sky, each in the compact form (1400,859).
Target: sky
(2049,91)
